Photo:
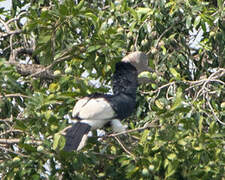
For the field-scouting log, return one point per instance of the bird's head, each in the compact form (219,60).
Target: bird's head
(140,61)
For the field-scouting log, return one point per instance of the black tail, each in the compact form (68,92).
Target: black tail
(76,136)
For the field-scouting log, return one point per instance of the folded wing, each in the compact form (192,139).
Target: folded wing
(93,109)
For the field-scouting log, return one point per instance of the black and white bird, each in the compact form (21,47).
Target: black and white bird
(94,111)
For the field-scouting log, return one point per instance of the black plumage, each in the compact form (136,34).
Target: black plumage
(95,110)
(125,79)
(78,130)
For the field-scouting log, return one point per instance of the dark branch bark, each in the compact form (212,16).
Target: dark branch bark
(17,140)
(35,70)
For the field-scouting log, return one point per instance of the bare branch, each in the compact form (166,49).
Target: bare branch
(161,36)
(6,120)
(158,90)
(35,70)
(14,152)
(16,18)
(10,33)
(213,77)
(14,95)
(9,141)
(214,114)
(4,24)
(20,50)
(150,125)
(109,156)
(124,148)
(10,131)
(17,140)
(46,69)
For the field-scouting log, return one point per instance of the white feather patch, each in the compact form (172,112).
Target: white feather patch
(79,105)
(82,142)
(93,109)
(117,126)
(95,124)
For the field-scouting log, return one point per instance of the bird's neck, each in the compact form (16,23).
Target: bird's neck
(125,79)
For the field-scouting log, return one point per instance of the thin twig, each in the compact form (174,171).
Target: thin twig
(211,78)
(14,95)
(158,90)
(136,39)
(9,141)
(4,24)
(109,156)
(10,33)
(6,120)
(16,18)
(214,114)
(51,65)
(17,140)
(124,148)
(150,125)
(9,131)
(14,152)
(160,37)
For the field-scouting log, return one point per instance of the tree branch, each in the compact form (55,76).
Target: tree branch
(35,70)
(123,147)
(16,18)
(17,140)
(14,152)
(150,125)
(214,114)
(9,131)
(14,95)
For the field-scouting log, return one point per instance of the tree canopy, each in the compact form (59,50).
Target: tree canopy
(54,52)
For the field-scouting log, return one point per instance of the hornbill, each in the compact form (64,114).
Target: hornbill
(96,110)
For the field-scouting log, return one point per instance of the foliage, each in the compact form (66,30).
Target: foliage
(183,102)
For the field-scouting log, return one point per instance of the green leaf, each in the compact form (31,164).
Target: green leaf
(175,73)
(53,87)
(125,162)
(197,21)
(63,10)
(172,156)
(144,74)
(170,170)
(124,5)
(133,13)
(80,5)
(222,105)
(159,104)
(200,124)
(178,100)
(36,177)
(20,125)
(188,22)
(141,10)
(93,48)
(164,50)
(144,136)
(198,148)
(93,17)
(44,38)
(220,4)
(28,147)
(58,142)
(131,170)
(182,142)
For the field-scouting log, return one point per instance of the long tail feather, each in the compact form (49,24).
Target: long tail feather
(76,136)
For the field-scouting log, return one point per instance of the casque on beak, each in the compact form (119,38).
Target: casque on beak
(140,61)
